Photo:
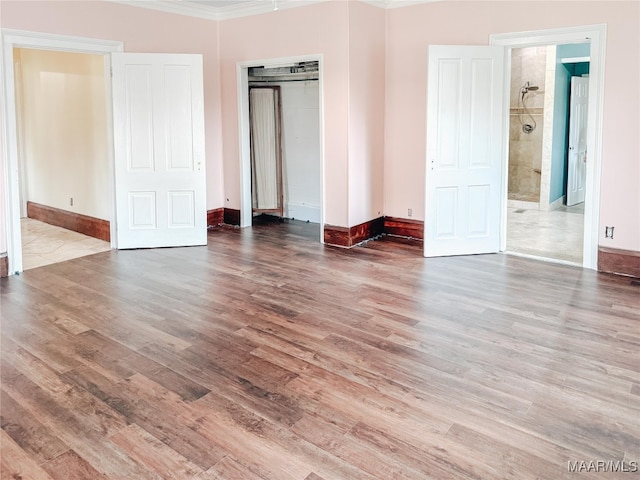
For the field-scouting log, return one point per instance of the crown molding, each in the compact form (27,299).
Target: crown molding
(388,4)
(191,10)
(246,9)
(261,6)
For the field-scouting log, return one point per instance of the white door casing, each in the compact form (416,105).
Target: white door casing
(596,35)
(577,155)
(158,111)
(464,150)
(242,94)
(10,39)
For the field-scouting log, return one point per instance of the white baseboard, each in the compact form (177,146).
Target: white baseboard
(310,213)
(522,204)
(557,203)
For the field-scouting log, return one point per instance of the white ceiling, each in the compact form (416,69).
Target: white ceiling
(224,9)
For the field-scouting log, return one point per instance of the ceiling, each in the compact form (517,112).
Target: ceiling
(224,9)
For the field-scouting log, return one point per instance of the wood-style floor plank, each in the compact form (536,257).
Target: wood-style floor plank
(268,356)
(72,466)
(30,434)
(15,463)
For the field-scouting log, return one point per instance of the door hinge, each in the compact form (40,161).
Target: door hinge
(111,71)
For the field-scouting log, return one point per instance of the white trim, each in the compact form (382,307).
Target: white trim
(10,39)
(388,4)
(596,34)
(244,9)
(547,128)
(575,60)
(242,69)
(242,75)
(557,203)
(544,259)
(111,155)
(248,8)
(52,41)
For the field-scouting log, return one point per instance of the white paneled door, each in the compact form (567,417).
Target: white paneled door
(464,150)
(577,155)
(160,183)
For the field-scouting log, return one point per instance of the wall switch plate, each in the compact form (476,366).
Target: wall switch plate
(409,211)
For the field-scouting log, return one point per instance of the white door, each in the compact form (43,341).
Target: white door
(464,150)
(577,157)
(160,187)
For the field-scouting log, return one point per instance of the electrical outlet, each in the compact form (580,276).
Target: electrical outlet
(409,211)
(71,201)
(608,232)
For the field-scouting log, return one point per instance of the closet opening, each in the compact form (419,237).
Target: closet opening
(284,142)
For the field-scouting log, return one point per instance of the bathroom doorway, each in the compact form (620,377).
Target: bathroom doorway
(539,221)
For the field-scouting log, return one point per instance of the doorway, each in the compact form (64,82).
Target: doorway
(543,220)
(10,40)
(62,153)
(595,35)
(297,144)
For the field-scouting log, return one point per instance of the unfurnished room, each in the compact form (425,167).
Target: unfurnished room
(319,239)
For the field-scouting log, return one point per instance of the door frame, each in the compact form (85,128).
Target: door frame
(242,92)
(596,34)
(10,39)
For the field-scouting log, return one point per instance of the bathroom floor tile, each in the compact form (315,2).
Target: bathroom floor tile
(557,234)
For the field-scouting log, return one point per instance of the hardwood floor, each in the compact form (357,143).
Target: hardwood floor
(266,355)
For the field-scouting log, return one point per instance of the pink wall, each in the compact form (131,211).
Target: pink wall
(348,36)
(411,29)
(317,29)
(366,112)
(141,30)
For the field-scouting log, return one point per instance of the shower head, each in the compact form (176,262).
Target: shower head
(532,88)
(527,87)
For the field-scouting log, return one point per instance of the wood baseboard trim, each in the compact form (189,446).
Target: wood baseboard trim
(350,236)
(231,216)
(4,266)
(623,262)
(215,217)
(404,227)
(90,226)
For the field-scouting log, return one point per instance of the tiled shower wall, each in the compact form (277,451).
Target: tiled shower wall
(525,150)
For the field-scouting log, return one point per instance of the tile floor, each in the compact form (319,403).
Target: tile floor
(44,244)
(556,235)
